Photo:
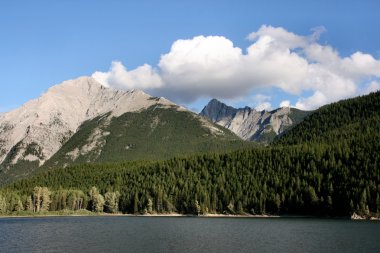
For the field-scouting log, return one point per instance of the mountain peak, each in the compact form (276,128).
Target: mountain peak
(215,101)
(83,84)
(216,110)
(248,123)
(52,118)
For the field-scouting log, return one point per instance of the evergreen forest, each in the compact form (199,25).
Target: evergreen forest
(328,165)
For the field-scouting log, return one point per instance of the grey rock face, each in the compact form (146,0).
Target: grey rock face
(250,124)
(216,111)
(39,128)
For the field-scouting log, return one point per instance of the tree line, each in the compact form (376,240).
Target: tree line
(327,165)
(42,199)
(304,179)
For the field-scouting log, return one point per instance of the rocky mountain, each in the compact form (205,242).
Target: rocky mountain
(249,124)
(82,121)
(38,129)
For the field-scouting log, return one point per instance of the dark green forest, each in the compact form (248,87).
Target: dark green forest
(337,122)
(328,165)
(153,134)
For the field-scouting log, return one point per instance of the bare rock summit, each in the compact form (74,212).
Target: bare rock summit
(39,128)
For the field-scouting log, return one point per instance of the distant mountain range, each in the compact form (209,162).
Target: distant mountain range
(81,121)
(252,125)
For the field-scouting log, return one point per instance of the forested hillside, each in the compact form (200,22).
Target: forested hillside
(333,170)
(318,179)
(347,119)
(153,134)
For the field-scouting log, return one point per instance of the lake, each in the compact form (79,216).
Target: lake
(187,234)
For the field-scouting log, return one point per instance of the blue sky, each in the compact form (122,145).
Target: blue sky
(43,43)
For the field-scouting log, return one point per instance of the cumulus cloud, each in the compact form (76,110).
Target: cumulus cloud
(143,77)
(211,66)
(285,103)
(203,66)
(261,102)
(263,106)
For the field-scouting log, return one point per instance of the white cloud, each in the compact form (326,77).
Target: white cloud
(213,67)
(316,100)
(260,102)
(279,36)
(285,103)
(143,77)
(372,87)
(203,66)
(263,106)
(259,98)
(360,64)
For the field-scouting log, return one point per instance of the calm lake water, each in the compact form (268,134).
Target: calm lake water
(187,234)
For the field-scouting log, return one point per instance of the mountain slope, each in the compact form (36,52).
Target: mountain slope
(83,112)
(332,171)
(38,129)
(250,124)
(344,120)
(153,134)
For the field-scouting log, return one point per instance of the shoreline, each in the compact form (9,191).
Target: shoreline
(144,215)
(263,216)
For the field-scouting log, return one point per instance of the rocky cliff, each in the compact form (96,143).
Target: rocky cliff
(250,124)
(39,128)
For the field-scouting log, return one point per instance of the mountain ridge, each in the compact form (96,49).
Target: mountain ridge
(250,124)
(83,108)
(53,117)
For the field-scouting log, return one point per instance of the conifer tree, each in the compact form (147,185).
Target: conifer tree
(136,204)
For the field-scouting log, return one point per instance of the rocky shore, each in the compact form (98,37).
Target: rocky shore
(356,216)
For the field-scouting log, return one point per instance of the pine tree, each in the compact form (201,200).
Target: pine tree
(239,208)
(136,204)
